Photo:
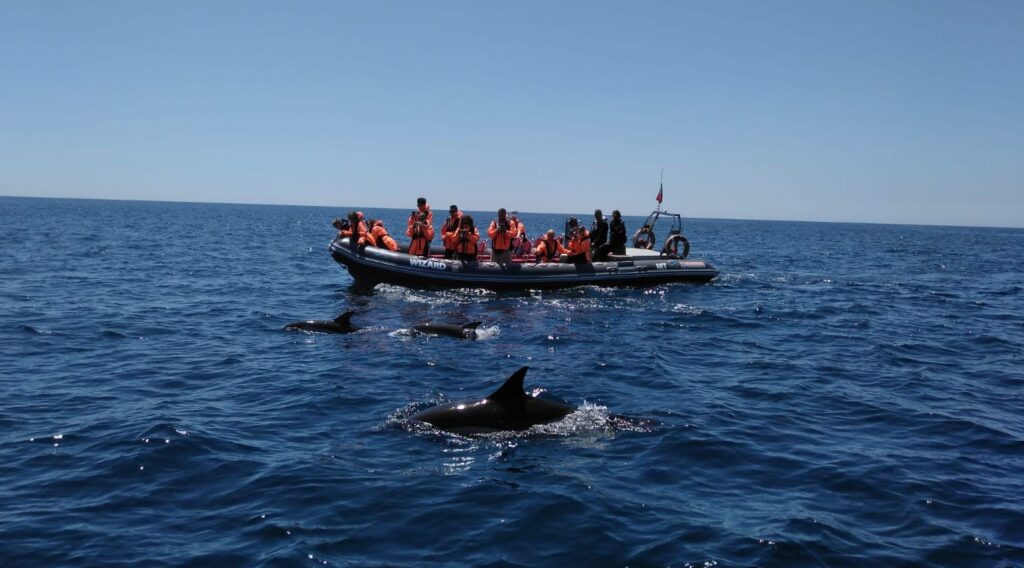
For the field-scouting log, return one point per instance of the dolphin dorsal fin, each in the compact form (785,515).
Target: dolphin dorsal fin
(511,395)
(471,325)
(343,318)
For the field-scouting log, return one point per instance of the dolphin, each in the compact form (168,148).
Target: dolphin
(340,324)
(467,331)
(508,408)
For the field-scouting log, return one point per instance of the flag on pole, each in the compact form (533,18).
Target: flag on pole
(661,193)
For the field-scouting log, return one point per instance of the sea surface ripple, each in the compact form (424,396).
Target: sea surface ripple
(842,394)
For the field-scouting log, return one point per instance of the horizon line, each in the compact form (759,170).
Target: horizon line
(142,200)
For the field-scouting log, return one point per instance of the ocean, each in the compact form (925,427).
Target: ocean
(842,394)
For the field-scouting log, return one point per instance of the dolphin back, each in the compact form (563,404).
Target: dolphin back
(507,408)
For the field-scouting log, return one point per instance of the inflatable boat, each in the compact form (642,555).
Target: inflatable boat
(638,267)
(641,265)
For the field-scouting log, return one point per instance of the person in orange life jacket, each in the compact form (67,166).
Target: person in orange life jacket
(549,248)
(468,237)
(450,231)
(356,230)
(579,246)
(425,217)
(380,234)
(502,231)
(420,234)
(367,238)
(423,207)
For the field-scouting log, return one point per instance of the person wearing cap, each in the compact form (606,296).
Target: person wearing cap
(450,231)
(467,237)
(549,249)
(579,246)
(381,236)
(425,217)
(501,232)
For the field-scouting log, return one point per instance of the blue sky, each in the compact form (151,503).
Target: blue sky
(894,111)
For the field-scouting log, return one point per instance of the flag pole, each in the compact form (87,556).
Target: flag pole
(661,188)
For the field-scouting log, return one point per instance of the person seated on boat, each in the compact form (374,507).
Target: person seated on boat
(356,228)
(579,246)
(342,225)
(549,249)
(616,239)
(644,238)
(420,234)
(423,215)
(380,234)
(467,237)
(450,231)
(367,239)
(598,231)
(501,232)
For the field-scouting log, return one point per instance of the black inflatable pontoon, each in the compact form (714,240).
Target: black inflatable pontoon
(639,267)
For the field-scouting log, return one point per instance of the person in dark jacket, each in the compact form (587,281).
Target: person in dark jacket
(598,231)
(617,241)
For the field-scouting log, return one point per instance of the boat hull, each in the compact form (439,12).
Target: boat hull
(373,265)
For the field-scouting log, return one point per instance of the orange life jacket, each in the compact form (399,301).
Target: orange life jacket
(380,234)
(467,246)
(450,231)
(367,240)
(548,250)
(360,232)
(418,243)
(502,240)
(580,243)
(430,214)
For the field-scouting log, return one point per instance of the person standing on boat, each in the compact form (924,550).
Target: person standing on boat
(421,233)
(424,215)
(520,242)
(579,246)
(501,232)
(549,249)
(380,234)
(467,240)
(450,231)
(598,231)
(617,239)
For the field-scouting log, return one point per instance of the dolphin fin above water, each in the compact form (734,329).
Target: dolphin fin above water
(343,319)
(507,408)
(510,394)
